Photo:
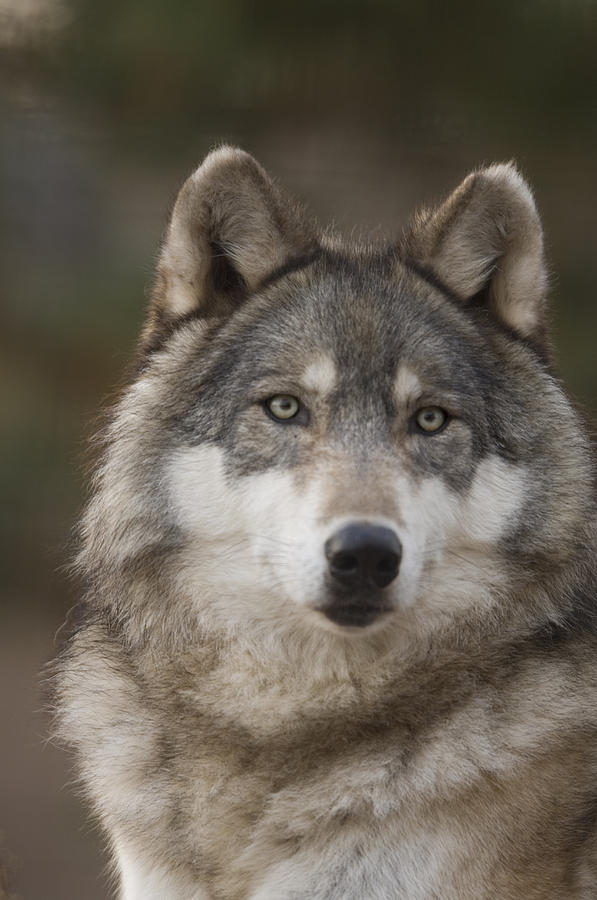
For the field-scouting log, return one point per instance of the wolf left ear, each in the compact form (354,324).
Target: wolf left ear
(230,228)
(486,242)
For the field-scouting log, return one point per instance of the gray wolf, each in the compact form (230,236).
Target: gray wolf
(337,636)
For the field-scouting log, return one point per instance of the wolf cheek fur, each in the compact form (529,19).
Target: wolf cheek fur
(338,635)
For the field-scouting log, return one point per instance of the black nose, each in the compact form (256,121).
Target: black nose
(364,555)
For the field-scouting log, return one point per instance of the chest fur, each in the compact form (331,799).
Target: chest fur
(251,787)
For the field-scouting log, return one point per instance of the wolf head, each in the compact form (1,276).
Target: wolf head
(333,437)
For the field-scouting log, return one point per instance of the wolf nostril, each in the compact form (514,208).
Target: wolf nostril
(346,562)
(387,564)
(363,554)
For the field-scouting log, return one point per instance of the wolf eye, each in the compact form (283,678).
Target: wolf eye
(282,407)
(431,419)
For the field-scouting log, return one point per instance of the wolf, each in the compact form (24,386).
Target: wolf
(337,631)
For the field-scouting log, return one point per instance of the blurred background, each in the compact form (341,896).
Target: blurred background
(363,109)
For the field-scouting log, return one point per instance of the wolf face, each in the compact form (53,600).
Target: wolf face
(336,437)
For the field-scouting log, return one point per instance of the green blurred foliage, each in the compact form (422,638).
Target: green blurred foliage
(524,63)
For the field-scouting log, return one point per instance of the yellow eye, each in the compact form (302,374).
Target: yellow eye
(431,419)
(282,406)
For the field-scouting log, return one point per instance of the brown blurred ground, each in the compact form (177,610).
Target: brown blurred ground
(363,109)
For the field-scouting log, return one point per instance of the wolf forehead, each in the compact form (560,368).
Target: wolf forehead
(368,313)
(340,316)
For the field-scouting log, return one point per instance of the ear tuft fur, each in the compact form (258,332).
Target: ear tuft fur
(229,229)
(486,239)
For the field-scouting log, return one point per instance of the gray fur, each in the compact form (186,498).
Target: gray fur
(235,744)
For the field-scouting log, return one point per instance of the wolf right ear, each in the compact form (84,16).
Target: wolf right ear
(230,228)
(486,242)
